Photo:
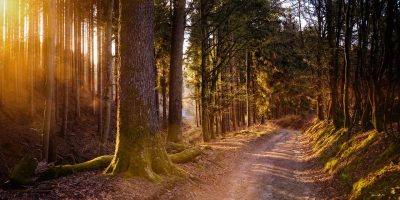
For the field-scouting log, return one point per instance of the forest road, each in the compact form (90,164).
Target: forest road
(274,167)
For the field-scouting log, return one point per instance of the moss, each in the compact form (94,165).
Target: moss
(348,158)
(381,184)
(65,170)
(359,147)
(24,170)
(173,147)
(345,177)
(329,166)
(390,152)
(186,156)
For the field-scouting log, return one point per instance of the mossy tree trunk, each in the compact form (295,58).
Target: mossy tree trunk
(140,150)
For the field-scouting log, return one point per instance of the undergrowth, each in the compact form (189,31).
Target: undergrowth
(365,163)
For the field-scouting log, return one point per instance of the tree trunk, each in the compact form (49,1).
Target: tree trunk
(175,74)
(248,87)
(68,57)
(49,152)
(348,37)
(334,68)
(139,147)
(204,77)
(108,76)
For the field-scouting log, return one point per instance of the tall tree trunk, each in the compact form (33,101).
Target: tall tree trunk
(108,75)
(334,63)
(68,62)
(139,147)
(175,74)
(2,53)
(204,77)
(49,152)
(78,66)
(248,87)
(100,80)
(347,43)
(163,84)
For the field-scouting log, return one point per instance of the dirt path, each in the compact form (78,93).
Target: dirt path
(274,170)
(271,167)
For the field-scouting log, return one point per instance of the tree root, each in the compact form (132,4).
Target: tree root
(185,156)
(65,170)
(22,177)
(173,147)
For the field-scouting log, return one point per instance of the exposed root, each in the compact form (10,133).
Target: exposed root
(65,170)
(173,147)
(185,156)
(161,164)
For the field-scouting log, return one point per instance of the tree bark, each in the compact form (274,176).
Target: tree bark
(49,152)
(348,37)
(139,147)
(175,74)
(108,76)
(204,77)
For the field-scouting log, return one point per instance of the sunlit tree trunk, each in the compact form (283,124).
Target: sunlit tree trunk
(78,64)
(100,81)
(2,53)
(68,63)
(49,151)
(108,75)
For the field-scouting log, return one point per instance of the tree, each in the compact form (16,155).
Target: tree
(139,147)
(49,153)
(176,78)
(108,76)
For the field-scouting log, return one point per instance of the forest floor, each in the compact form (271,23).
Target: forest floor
(264,162)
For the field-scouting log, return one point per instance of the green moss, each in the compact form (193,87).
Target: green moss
(185,156)
(65,170)
(345,177)
(381,184)
(348,158)
(359,147)
(24,170)
(389,153)
(173,147)
(329,166)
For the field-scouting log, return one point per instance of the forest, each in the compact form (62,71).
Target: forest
(200,99)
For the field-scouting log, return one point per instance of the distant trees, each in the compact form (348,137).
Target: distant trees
(51,63)
(365,91)
(238,62)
